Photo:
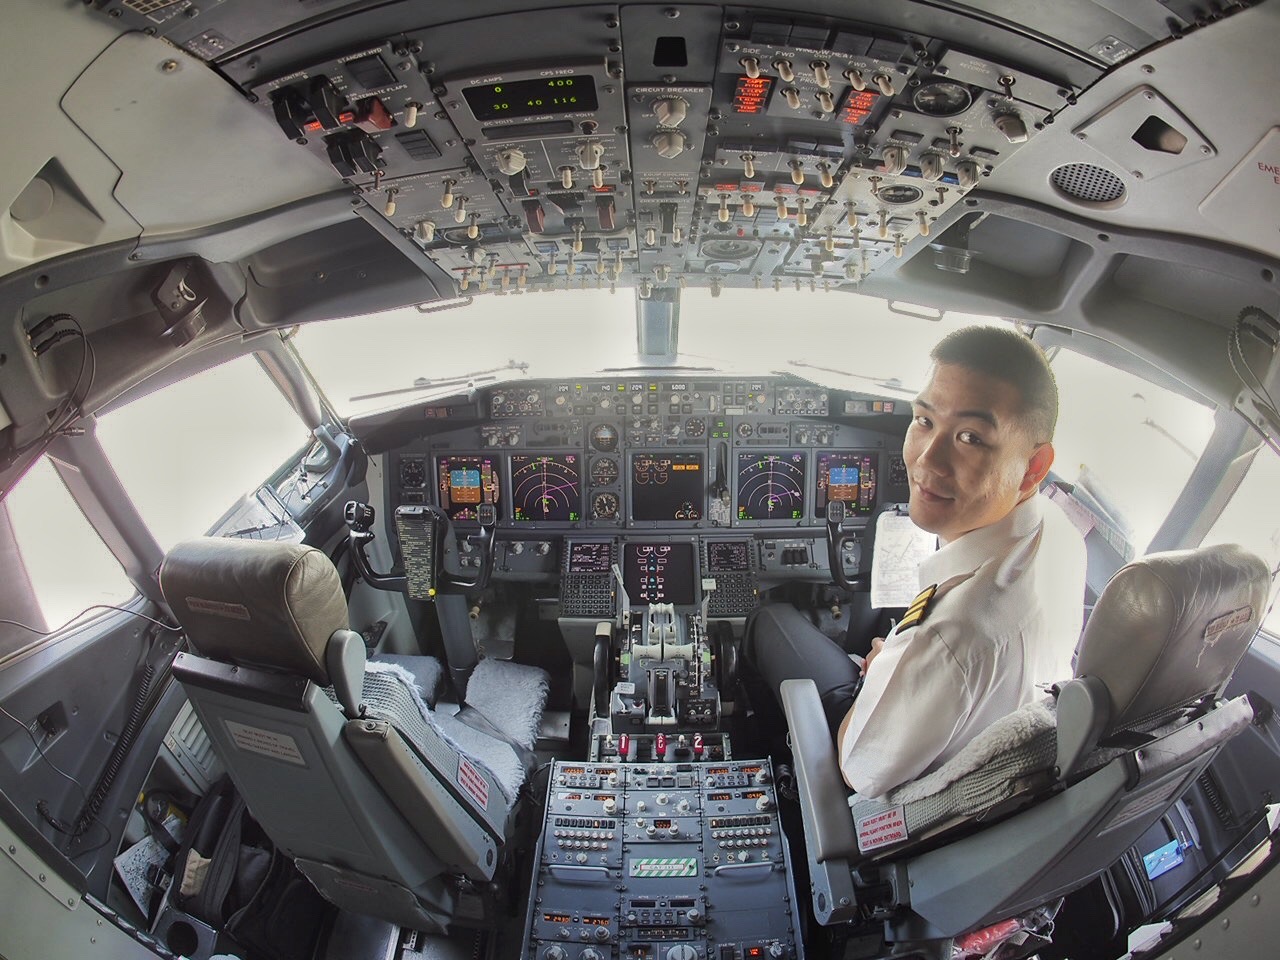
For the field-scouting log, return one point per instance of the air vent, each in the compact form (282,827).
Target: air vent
(147,7)
(1087,183)
(418,145)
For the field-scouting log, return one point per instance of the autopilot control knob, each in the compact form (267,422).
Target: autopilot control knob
(762,776)
(555,952)
(669,143)
(764,803)
(663,799)
(682,951)
(610,806)
(591,953)
(693,915)
(641,806)
(543,548)
(777,950)
(602,933)
(682,806)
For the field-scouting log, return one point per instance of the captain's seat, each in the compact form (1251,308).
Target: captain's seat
(1049,797)
(390,807)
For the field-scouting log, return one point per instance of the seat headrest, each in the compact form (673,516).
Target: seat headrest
(1171,627)
(253,603)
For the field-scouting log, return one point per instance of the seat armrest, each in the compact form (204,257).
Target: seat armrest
(823,793)
(1084,713)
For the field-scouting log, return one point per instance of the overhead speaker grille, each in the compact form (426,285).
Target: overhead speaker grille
(1087,183)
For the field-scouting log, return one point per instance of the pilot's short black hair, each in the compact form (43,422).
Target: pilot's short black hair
(1007,355)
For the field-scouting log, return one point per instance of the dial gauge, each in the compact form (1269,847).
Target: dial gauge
(604,471)
(695,427)
(942,98)
(413,473)
(604,438)
(604,506)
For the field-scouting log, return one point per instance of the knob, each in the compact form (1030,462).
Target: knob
(674,830)
(682,951)
(764,803)
(931,167)
(641,806)
(967,174)
(610,806)
(821,73)
(511,162)
(751,65)
(651,830)
(762,776)
(591,953)
(670,111)
(1011,125)
(425,231)
(748,165)
(556,952)
(693,915)
(683,806)
(893,159)
(590,154)
(663,799)
(669,143)
(856,79)
(785,70)
(777,950)
(602,933)
(543,548)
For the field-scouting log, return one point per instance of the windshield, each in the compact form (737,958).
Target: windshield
(844,340)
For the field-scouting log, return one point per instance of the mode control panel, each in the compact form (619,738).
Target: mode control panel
(662,861)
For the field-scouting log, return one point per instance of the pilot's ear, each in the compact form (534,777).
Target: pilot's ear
(1037,468)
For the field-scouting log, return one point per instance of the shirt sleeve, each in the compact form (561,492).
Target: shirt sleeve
(913,702)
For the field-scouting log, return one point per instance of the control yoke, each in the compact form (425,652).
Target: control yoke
(836,538)
(431,528)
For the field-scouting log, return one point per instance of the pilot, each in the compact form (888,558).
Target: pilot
(1001,601)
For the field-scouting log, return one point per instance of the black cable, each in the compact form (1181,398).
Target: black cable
(70,406)
(96,606)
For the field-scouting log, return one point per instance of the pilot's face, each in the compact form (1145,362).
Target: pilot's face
(969,459)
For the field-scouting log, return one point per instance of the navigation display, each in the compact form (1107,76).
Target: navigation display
(667,486)
(590,557)
(545,487)
(465,482)
(727,556)
(658,572)
(849,476)
(771,486)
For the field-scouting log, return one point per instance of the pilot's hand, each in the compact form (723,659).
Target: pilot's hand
(876,646)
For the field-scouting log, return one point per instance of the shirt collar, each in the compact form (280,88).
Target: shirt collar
(968,552)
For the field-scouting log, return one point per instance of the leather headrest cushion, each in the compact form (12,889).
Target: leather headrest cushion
(253,603)
(1171,627)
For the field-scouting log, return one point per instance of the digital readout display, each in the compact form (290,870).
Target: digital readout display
(658,572)
(771,486)
(667,486)
(725,556)
(850,477)
(531,98)
(590,557)
(464,482)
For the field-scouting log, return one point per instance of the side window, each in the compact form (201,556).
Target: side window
(186,453)
(1130,443)
(1251,520)
(68,566)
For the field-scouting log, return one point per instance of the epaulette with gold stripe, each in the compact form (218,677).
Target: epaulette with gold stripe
(919,608)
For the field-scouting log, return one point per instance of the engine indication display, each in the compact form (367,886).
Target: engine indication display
(545,487)
(667,486)
(531,98)
(658,572)
(771,486)
(849,476)
(464,482)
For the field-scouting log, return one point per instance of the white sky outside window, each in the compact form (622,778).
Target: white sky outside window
(186,453)
(1251,520)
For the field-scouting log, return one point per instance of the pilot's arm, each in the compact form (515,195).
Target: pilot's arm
(913,701)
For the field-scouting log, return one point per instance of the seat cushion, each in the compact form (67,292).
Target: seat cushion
(511,696)
(1014,755)
(426,672)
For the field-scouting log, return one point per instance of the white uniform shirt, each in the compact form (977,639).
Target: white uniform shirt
(1005,618)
